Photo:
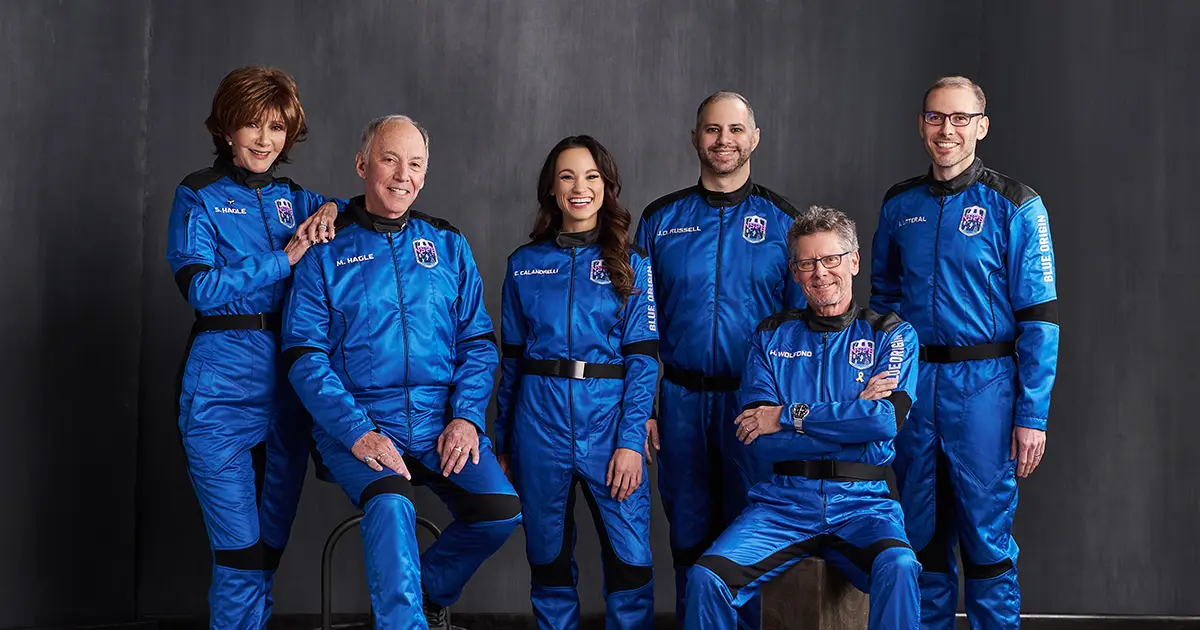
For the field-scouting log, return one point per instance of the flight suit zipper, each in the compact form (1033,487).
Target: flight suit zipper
(937,240)
(821,398)
(270,242)
(570,385)
(705,401)
(404,334)
(717,288)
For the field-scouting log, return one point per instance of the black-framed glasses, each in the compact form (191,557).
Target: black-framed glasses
(958,119)
(828,262)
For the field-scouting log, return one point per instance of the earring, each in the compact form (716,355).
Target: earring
(230,142)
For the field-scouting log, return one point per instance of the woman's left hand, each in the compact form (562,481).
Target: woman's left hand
(319,227)
(624,473)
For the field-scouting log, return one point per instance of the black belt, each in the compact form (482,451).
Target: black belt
(572,369)
(205,323)
(831,469)
(257,321)
(954,354)
(698,382)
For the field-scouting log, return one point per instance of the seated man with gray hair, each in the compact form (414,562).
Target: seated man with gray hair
(389,347)
(824,391)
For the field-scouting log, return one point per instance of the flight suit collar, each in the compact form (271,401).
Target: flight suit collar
(725,199)
(959,183)
(249,179)
(567,240)
(356,211)
(835,323)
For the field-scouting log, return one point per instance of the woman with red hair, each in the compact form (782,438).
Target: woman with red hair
(236,230)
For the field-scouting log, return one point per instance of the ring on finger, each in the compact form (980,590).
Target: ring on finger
(457,449)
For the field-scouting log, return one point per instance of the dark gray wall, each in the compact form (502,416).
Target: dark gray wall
(498,84)
(71,191)
(1088,102)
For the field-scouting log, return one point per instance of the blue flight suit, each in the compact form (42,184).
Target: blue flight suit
(244,433)
(828,496)
(720,266)
(578,379)
(385,330)
(970,263)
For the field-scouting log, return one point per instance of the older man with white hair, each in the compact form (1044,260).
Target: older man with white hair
(825,390)
(391,350)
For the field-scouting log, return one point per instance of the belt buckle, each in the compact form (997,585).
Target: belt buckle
(262,321)
(575,369)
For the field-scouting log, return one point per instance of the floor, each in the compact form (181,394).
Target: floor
(666,622)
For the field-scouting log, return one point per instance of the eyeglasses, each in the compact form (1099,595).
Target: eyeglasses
(828,262)
(958,119)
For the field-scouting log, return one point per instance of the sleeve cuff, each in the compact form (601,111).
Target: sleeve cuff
(355,433)
(474,419)
(639,447)
(285,267)
(1030,422)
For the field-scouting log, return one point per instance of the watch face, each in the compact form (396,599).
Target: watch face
(799,411)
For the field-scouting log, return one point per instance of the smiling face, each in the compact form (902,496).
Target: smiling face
(725,137)
(257,145)
(951,148)
(394,169)
(828,291)
(578,189)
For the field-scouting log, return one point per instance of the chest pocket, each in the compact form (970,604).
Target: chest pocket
(916,230)
(594,292)
(237,226)
(361,287)
(852,363)
(431,289)
(974,231)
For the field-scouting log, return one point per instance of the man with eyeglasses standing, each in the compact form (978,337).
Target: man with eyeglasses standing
(964,254)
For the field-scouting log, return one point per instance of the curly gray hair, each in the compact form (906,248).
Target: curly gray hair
(820,219)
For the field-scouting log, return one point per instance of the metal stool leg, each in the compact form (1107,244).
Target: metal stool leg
(427,524)
(327,562)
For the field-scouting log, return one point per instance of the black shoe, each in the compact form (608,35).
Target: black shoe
(438,617)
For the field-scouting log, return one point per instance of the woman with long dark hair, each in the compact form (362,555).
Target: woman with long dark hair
(236,230)
(580,367)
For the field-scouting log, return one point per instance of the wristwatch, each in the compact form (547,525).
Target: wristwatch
(799,412)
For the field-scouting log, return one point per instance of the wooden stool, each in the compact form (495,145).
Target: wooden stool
(814,596)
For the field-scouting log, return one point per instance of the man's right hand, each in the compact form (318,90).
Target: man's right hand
(757,421)
(378,452)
